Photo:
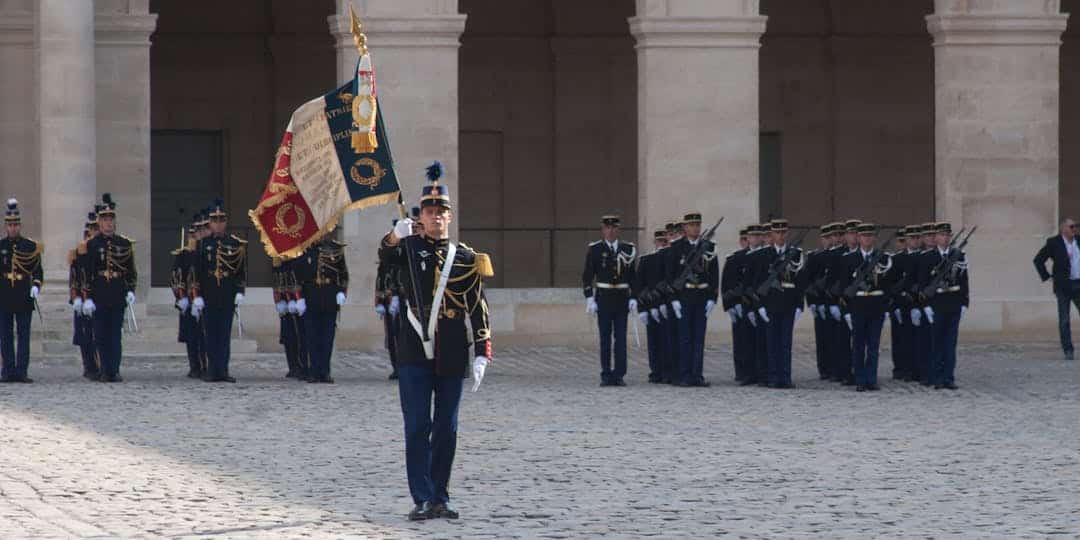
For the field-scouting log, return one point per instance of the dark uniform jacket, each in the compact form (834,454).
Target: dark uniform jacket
(386,283)
(180,274)
(1055,250)
(219,270)
(905,263)
(832,259)
(816,274)
(872,298)
(648,275)
(789,295)
(419,261)
(322,273)
(704,282)
(20,269)
(732,278)
(952,293)
(609,275)
(110,270)
(76,271)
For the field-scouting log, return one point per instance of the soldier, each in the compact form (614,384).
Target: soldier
(110,288)
(845,370)
(694,303)
(898,299)
(290,323)
(867,303)
(780,308)
(606,280)
(730,296)
(816,270)
(923,332)
(19,289)
(83,335)
(947,302)
(387,306)
(189,332)
(324,282)
(670,323)
(218,280)
(442,286)
(649,276)
(756,327)
(907,300)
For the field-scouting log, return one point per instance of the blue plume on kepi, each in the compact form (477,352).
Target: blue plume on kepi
(12,213)
(108,205)
(435,194)
(434,171)
(217,210)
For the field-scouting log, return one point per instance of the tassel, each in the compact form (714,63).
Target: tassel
(483,266)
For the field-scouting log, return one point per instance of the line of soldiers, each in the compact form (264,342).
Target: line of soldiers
(101,279)
(208,279)
(850,285)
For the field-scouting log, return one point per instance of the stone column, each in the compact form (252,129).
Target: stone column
(18,96)
(698,112)
(122,61)
(67,140)
(996,164)
(414,47)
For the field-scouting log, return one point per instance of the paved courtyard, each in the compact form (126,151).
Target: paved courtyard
(545,453)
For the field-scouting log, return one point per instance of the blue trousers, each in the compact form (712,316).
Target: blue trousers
(393,326)
(821,345)
(294,341)
(16,360)
(672,346)
(612,328)
(108,339)
(190,332)
(901,346)
(1069,296)
(761,352)
(742,343)
(779,332)
(655,333)
(866,342)
(921,352)
(84,338)
(320,328)
(841,357)
(430,441)
(944,332)
(218,323)
(692,343)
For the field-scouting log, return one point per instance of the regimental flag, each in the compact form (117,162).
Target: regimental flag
(318,176)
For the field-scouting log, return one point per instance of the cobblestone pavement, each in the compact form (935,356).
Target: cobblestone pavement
(544,453)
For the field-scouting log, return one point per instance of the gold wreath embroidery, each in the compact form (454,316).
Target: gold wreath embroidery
(281,227)
(372,181)
(345,97)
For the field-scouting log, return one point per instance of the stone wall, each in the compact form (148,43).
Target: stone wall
(1069,188)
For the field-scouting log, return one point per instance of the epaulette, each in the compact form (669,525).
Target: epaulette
(591,244)
(339,244)
(128,238)
(484,266)
(275,262)
(463,245)
(81,248)
(238,239)
(71,256)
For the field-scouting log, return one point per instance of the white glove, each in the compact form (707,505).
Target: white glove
(282,308)
(835,312)
(798,313)
(76,305)
(34,291)
(655,313)
(847,319)
(663,311)
(301,307)
(88,308)
(395,306)
(643,317)
(632,305)
(963,311)
(590,306)
(709,305)
(403,228)
(824,311)
(380,310)
(929,314)
(753,319)
(239,299)
(897,317)
(916,317)
(183,303)
(479,366)
(340,298)
(732,315)
(763,314)
(739,310)
(676,306)
(291,307)
(130,298)
(199,303)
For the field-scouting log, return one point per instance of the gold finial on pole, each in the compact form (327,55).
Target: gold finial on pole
(358,37)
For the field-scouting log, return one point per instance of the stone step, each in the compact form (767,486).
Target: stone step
(132,358)
(134,345)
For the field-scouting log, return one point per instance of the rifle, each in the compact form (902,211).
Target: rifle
(865,270)
(939,272)
(778,264)
(670,288)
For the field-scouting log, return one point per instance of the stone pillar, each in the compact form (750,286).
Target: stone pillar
(67,140)
(414,47)
(122,60)
(698,112)
(18,96)
(996,160)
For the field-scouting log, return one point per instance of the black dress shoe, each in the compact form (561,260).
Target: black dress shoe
(848,382)
(25,379)
(421,512)
(327,380)
(292,375)
(873,387)
(860,388)
(1069,355)
(393,376)
(193,374)
(444,511)
(938,386)
(665,381)
(951,386)
(618,382)
(227,379)
(786,386)
(703,384)
(747,382)
(91,375)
